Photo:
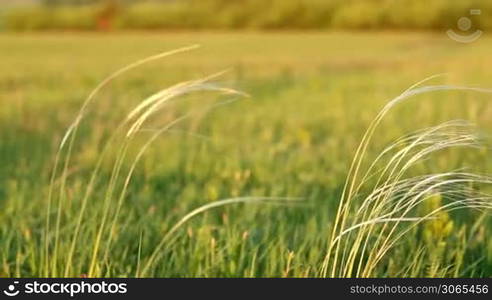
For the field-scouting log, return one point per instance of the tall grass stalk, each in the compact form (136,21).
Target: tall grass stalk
(69,137)
(367,227)
(126,131)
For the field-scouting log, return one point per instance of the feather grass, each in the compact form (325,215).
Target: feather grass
(367,227)
(121,138)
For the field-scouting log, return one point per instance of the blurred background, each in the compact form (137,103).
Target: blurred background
(25,15)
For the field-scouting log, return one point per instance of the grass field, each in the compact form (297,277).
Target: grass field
(311,96)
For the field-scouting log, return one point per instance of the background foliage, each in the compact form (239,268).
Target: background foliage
(242,14)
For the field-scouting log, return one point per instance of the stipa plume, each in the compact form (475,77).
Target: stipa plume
(116,187)
(381,203)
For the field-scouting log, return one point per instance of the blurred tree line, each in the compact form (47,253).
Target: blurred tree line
(244,14)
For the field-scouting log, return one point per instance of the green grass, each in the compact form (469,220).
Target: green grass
(312,96)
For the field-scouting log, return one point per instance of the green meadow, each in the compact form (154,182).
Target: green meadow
(308,99)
